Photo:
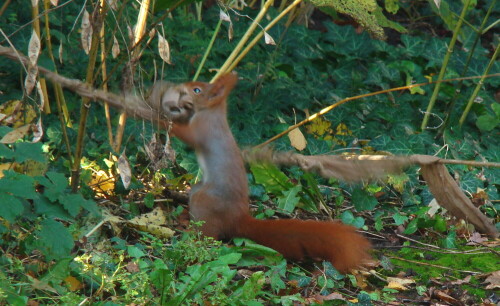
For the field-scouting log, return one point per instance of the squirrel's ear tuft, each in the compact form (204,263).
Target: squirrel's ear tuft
(222,88)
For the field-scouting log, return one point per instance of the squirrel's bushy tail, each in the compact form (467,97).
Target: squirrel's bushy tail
(296,239)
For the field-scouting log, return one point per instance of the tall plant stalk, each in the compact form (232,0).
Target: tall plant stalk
(435,93)
(458,89)
(62,108)
(478,86)
(243,40)
(262,33)
(85,106)
(140,29)
(207,52)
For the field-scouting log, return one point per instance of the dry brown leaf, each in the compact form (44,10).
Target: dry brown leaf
(86,36)
(115,50)
(400,284)
(450,196)
(476,238)
(493,281)
(73,283)
(152,222)
(466,280)
(30,81)
(37,131)
(268,39)
(34,48)
(34,3)
(16,134)
(297,139)
(54,2)
(60,52)
(41,95)
(164,49)
(447,298)
(124,169)
(224,17)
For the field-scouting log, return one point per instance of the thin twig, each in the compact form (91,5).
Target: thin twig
(433,265)
(329,108)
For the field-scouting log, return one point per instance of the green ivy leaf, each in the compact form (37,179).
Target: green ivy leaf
(449,241)
(362,200)
(399,219)
(55,184)
(271,178)
(289,200)
(54,240)
(29,151)
(487,123)
(18,184)
(11,207)
(73,203)
(412,227)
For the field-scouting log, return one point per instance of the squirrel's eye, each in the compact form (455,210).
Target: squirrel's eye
(197,90)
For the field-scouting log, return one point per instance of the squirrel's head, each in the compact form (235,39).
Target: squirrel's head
(179,102)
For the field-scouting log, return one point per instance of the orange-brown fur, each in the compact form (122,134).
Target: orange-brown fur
(221,199)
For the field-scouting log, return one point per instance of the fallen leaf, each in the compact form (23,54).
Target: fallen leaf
(297,139)
(493,280)
(124,168)
(399,283)
(86,36)
(164,49)
(152,222)
(268,39)
(476,238)
(16,134)
(73,283)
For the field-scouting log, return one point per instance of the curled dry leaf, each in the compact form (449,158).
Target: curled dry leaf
(41,95)
(493,281)
(30,81)
(164,49)
(60,52)
(86,32)
(16,134)
(34,3)
(400,284)
(268,39)
(37,131)
(225,17)
(115,50)
(34,48)
(54,2)
(153,223)
(124,168)
(297,139)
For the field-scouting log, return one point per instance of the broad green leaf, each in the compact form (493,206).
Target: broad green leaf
(29,151)
(18,184)
(450,241)
(289,200)
(271,178)
(414,45)
(399,219)
(54,240)
(412,227)
(55,184)
(362,200)
(487,122)
(251,288)
(73,203)
(11,207)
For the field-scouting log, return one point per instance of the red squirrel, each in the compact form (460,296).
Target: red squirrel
(198,111)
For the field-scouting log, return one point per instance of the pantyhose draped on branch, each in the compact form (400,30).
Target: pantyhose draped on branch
(359,168)
(351,169)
